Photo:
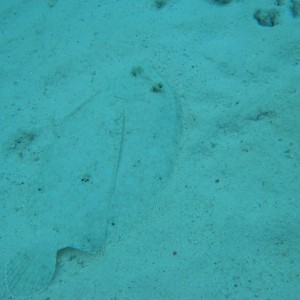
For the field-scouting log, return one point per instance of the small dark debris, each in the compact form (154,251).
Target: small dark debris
(268,18)
(295,8)
(157,87)
(160,3)
(263,115)
(279,2)
(85,178)
(222,2)
(136,71)
(22,142)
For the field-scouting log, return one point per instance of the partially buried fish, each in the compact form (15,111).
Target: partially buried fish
(104,163)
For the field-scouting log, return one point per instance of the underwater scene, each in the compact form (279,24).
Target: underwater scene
(150,149)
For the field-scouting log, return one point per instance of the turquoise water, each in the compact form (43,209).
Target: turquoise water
(149,149)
